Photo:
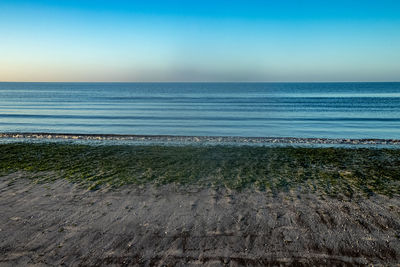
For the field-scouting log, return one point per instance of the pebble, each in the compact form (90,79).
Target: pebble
(202,139)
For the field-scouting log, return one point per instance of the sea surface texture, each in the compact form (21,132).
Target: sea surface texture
(319,110)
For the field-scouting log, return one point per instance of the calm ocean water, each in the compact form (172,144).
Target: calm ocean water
(323,110)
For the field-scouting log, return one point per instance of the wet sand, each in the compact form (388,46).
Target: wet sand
(61,223)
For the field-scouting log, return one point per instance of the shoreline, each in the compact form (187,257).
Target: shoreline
(199,139)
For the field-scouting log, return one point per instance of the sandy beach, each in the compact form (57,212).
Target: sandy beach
(60,223)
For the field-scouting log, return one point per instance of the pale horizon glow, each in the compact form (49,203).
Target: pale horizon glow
(199,41)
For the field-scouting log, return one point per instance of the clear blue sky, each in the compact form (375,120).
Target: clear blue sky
(236,40)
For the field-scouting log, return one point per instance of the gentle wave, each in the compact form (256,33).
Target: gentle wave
(309,110)
(191,118)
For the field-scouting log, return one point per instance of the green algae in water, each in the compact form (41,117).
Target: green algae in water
(330,170)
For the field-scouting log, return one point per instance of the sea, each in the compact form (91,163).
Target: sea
(306,110)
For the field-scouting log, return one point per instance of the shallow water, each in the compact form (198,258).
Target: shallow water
(320,110)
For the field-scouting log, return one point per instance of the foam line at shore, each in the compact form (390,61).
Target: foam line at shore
(198,139)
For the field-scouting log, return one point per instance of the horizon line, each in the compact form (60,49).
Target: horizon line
(200,81)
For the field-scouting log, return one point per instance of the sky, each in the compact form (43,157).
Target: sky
(201,41)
